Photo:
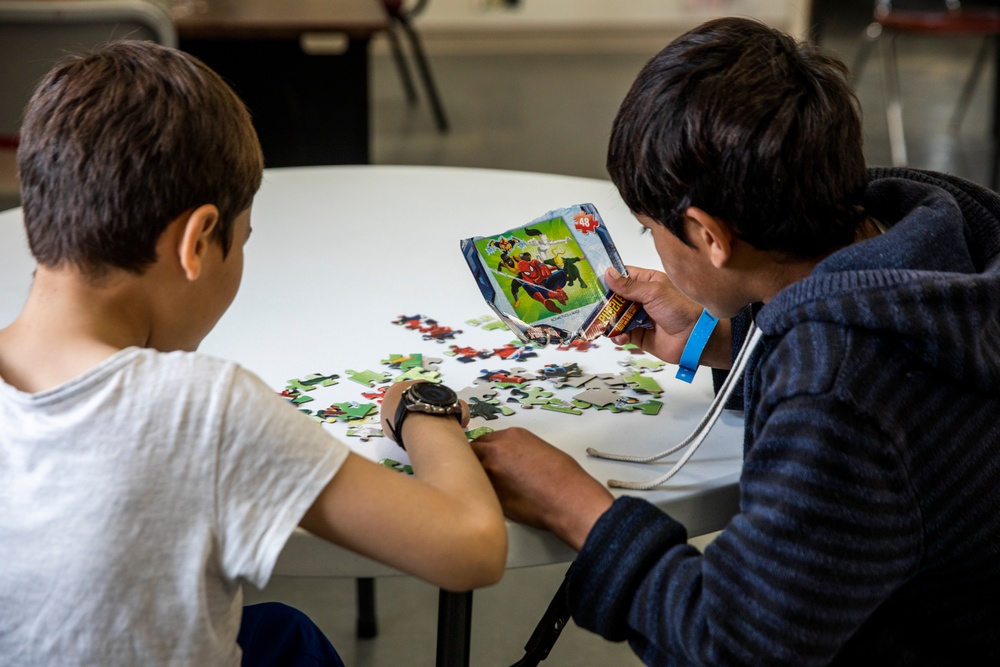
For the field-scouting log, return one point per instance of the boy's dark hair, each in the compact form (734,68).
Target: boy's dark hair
(737,119)
(119,142)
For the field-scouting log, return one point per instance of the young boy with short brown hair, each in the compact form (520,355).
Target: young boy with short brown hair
(142,483)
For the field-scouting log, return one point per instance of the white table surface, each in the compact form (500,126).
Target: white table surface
(338,253)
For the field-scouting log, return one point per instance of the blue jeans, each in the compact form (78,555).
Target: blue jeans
(276,635)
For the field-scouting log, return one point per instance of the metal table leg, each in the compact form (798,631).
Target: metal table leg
(454,629)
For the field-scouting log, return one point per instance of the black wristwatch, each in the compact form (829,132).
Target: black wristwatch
(429,398)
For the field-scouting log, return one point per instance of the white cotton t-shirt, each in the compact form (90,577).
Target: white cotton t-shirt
(135,500)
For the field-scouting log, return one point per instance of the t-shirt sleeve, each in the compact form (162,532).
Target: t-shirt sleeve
(272,464)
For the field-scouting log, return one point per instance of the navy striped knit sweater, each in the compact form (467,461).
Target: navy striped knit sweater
(869,523)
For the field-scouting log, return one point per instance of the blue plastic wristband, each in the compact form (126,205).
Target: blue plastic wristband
(695,345)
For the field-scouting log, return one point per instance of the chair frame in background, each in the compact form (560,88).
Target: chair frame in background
(36,33)
(952,19)
(401,17)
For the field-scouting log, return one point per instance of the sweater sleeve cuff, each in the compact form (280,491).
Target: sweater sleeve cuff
(621,549)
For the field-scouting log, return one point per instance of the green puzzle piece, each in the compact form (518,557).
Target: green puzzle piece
(649,364)
(405,362)
(530,397)
(488,409)
(559,406)
(313,380)
(643,383)
(647,408)
(419,374)
(397,466)
(476,432)
(350,410)
(369,378)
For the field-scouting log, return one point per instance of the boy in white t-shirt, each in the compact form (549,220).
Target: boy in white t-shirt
(141,482)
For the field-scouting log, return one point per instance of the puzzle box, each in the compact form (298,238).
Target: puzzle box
(545,279)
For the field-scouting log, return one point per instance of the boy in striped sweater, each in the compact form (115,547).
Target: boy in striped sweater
(868,530)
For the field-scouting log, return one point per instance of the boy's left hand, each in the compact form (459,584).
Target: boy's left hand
(542,486)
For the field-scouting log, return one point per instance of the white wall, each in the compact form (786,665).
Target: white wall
(588,23)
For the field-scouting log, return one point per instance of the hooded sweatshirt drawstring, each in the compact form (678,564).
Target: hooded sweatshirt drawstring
(700,432)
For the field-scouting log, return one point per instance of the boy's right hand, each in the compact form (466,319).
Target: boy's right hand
(672,314)
(542,486)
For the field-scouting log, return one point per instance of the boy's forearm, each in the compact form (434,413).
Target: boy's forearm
(441,457)
(470,512)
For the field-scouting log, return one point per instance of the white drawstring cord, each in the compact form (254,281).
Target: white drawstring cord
(700,432)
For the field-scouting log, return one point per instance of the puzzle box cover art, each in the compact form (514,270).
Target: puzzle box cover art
(545,279)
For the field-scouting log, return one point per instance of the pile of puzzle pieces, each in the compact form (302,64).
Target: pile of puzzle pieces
(497,392)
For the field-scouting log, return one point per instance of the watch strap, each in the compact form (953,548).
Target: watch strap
(402,410)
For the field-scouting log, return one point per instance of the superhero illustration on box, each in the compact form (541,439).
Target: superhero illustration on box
(545,279)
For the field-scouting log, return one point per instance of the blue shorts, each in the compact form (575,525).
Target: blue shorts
(273,634)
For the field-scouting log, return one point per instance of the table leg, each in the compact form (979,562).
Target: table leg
(367,621)
(454,629)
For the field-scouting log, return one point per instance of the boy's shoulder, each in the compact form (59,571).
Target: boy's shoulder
(805,359)
(156,370)
(141,376)
(197,376)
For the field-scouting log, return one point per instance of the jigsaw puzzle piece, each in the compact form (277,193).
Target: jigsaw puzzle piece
(397,466)
(642,383)
(353,410)
(482,392)
(419,374)
(409,321)
(295,397)
(530,397)
(645,363)
(650,407)
(557,405)
(488,409)
(579,345)
(598,397)
(472,434)
(376,395)
(314,380)
(365,432)
(369,378)
(405,362)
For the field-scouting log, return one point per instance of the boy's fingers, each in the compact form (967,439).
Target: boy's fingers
(630,287)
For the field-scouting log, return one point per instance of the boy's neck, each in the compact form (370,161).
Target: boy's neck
(784,272)
(70,324)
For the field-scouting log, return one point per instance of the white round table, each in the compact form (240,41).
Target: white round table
(337,254)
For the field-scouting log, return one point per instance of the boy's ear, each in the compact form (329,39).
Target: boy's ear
(196,239)
(711,234)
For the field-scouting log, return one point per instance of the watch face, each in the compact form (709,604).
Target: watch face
(434,394)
